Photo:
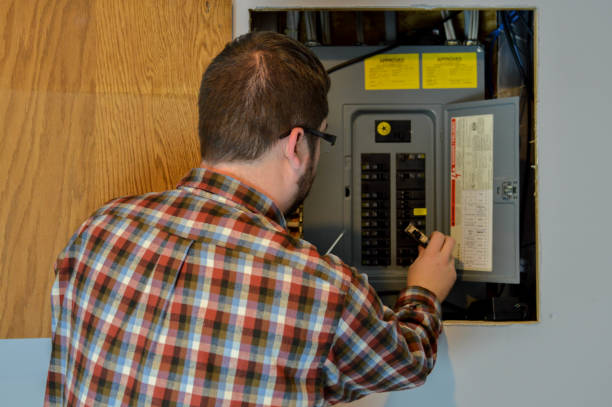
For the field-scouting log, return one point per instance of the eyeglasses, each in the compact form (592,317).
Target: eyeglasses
(330,138)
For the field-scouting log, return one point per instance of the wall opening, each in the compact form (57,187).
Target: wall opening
(506,40)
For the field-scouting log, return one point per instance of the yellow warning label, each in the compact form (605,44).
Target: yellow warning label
(383,128)
(419,212)
(392,71)
(450,70)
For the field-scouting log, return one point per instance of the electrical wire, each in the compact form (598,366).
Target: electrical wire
(362,57)
(449,30)
(467,25)
(527,25)
(510,37)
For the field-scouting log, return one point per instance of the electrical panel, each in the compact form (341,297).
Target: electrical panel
(408,133)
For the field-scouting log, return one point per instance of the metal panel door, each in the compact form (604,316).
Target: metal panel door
(466,141)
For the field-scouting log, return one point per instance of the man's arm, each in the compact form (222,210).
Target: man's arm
(64,267)
(376,349)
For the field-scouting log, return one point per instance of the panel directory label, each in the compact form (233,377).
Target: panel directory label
(472,191)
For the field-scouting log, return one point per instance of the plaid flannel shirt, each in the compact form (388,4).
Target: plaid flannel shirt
(199,296)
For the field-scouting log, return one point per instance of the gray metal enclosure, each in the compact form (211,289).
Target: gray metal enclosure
(369,186)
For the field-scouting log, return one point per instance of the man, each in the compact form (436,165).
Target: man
(200,296)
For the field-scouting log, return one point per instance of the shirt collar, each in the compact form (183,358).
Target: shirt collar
(230,188)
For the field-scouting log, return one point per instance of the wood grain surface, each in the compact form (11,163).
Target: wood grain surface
(98,98)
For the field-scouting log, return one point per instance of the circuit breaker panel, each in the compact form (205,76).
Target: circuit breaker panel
(391,164)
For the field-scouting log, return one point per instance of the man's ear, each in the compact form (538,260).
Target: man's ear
(295,153)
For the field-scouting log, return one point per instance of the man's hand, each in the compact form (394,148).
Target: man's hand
(434,269)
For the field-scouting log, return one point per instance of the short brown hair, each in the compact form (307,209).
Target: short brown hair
(259,86)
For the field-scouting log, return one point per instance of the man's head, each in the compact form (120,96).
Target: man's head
(259,87)
(263,101)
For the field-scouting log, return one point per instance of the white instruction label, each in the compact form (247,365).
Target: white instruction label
(472,191)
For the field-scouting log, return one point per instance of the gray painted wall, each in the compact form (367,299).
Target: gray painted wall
(564,360)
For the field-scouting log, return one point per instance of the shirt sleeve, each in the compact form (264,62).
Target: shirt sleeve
(376,349)
(64,266)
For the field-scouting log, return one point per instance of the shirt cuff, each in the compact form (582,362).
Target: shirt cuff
(419,298)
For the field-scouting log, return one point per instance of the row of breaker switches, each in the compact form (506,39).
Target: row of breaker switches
(374,223)
(411,204)
(375,176)
(375,254)
(375,211)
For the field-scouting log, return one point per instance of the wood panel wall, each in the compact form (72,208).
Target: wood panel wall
(98,98)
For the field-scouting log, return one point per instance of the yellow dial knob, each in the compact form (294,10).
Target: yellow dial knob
(383,128)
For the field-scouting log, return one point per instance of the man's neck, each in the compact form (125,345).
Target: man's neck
(259,175)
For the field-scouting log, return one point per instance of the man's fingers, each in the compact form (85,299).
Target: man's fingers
(436,241)
(449,245)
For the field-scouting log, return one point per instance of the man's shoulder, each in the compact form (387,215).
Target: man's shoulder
(176,211)
(151,201)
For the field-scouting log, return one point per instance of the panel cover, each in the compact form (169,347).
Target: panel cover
(481,188)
